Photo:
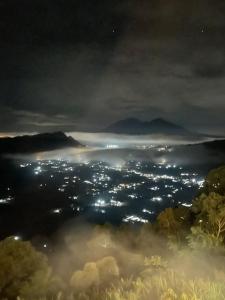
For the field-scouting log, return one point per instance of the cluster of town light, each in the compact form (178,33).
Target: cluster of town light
(104,188)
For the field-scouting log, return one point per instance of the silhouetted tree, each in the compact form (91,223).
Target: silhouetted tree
(215,182)
(210,211)
(174,221)
(22,269)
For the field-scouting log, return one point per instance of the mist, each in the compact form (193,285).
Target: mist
(132,141)
(184,155)
(100,257)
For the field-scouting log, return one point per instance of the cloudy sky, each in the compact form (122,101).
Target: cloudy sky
(83,64)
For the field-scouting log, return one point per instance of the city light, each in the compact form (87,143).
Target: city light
(134,219)
(109,187)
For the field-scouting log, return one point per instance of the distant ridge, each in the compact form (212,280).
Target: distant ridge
(217,145)
(37,143)
(134,126)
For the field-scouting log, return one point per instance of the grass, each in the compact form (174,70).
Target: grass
(168,286)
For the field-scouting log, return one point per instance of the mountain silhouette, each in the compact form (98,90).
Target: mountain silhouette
(157,126)
(37,143)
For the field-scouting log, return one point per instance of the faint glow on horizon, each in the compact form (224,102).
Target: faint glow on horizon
(112,146)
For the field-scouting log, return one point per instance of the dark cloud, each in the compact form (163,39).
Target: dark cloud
(210,71)
(83,64)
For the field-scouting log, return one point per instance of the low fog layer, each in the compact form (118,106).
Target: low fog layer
(121,140)
(117,149)
(179,155)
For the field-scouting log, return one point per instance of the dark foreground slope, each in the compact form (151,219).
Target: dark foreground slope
(207,153)
(37,143)
(217,145)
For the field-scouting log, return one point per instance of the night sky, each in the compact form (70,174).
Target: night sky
(82,64)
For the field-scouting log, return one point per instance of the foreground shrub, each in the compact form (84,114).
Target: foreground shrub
(23,270)
(86,278)
(94,274)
